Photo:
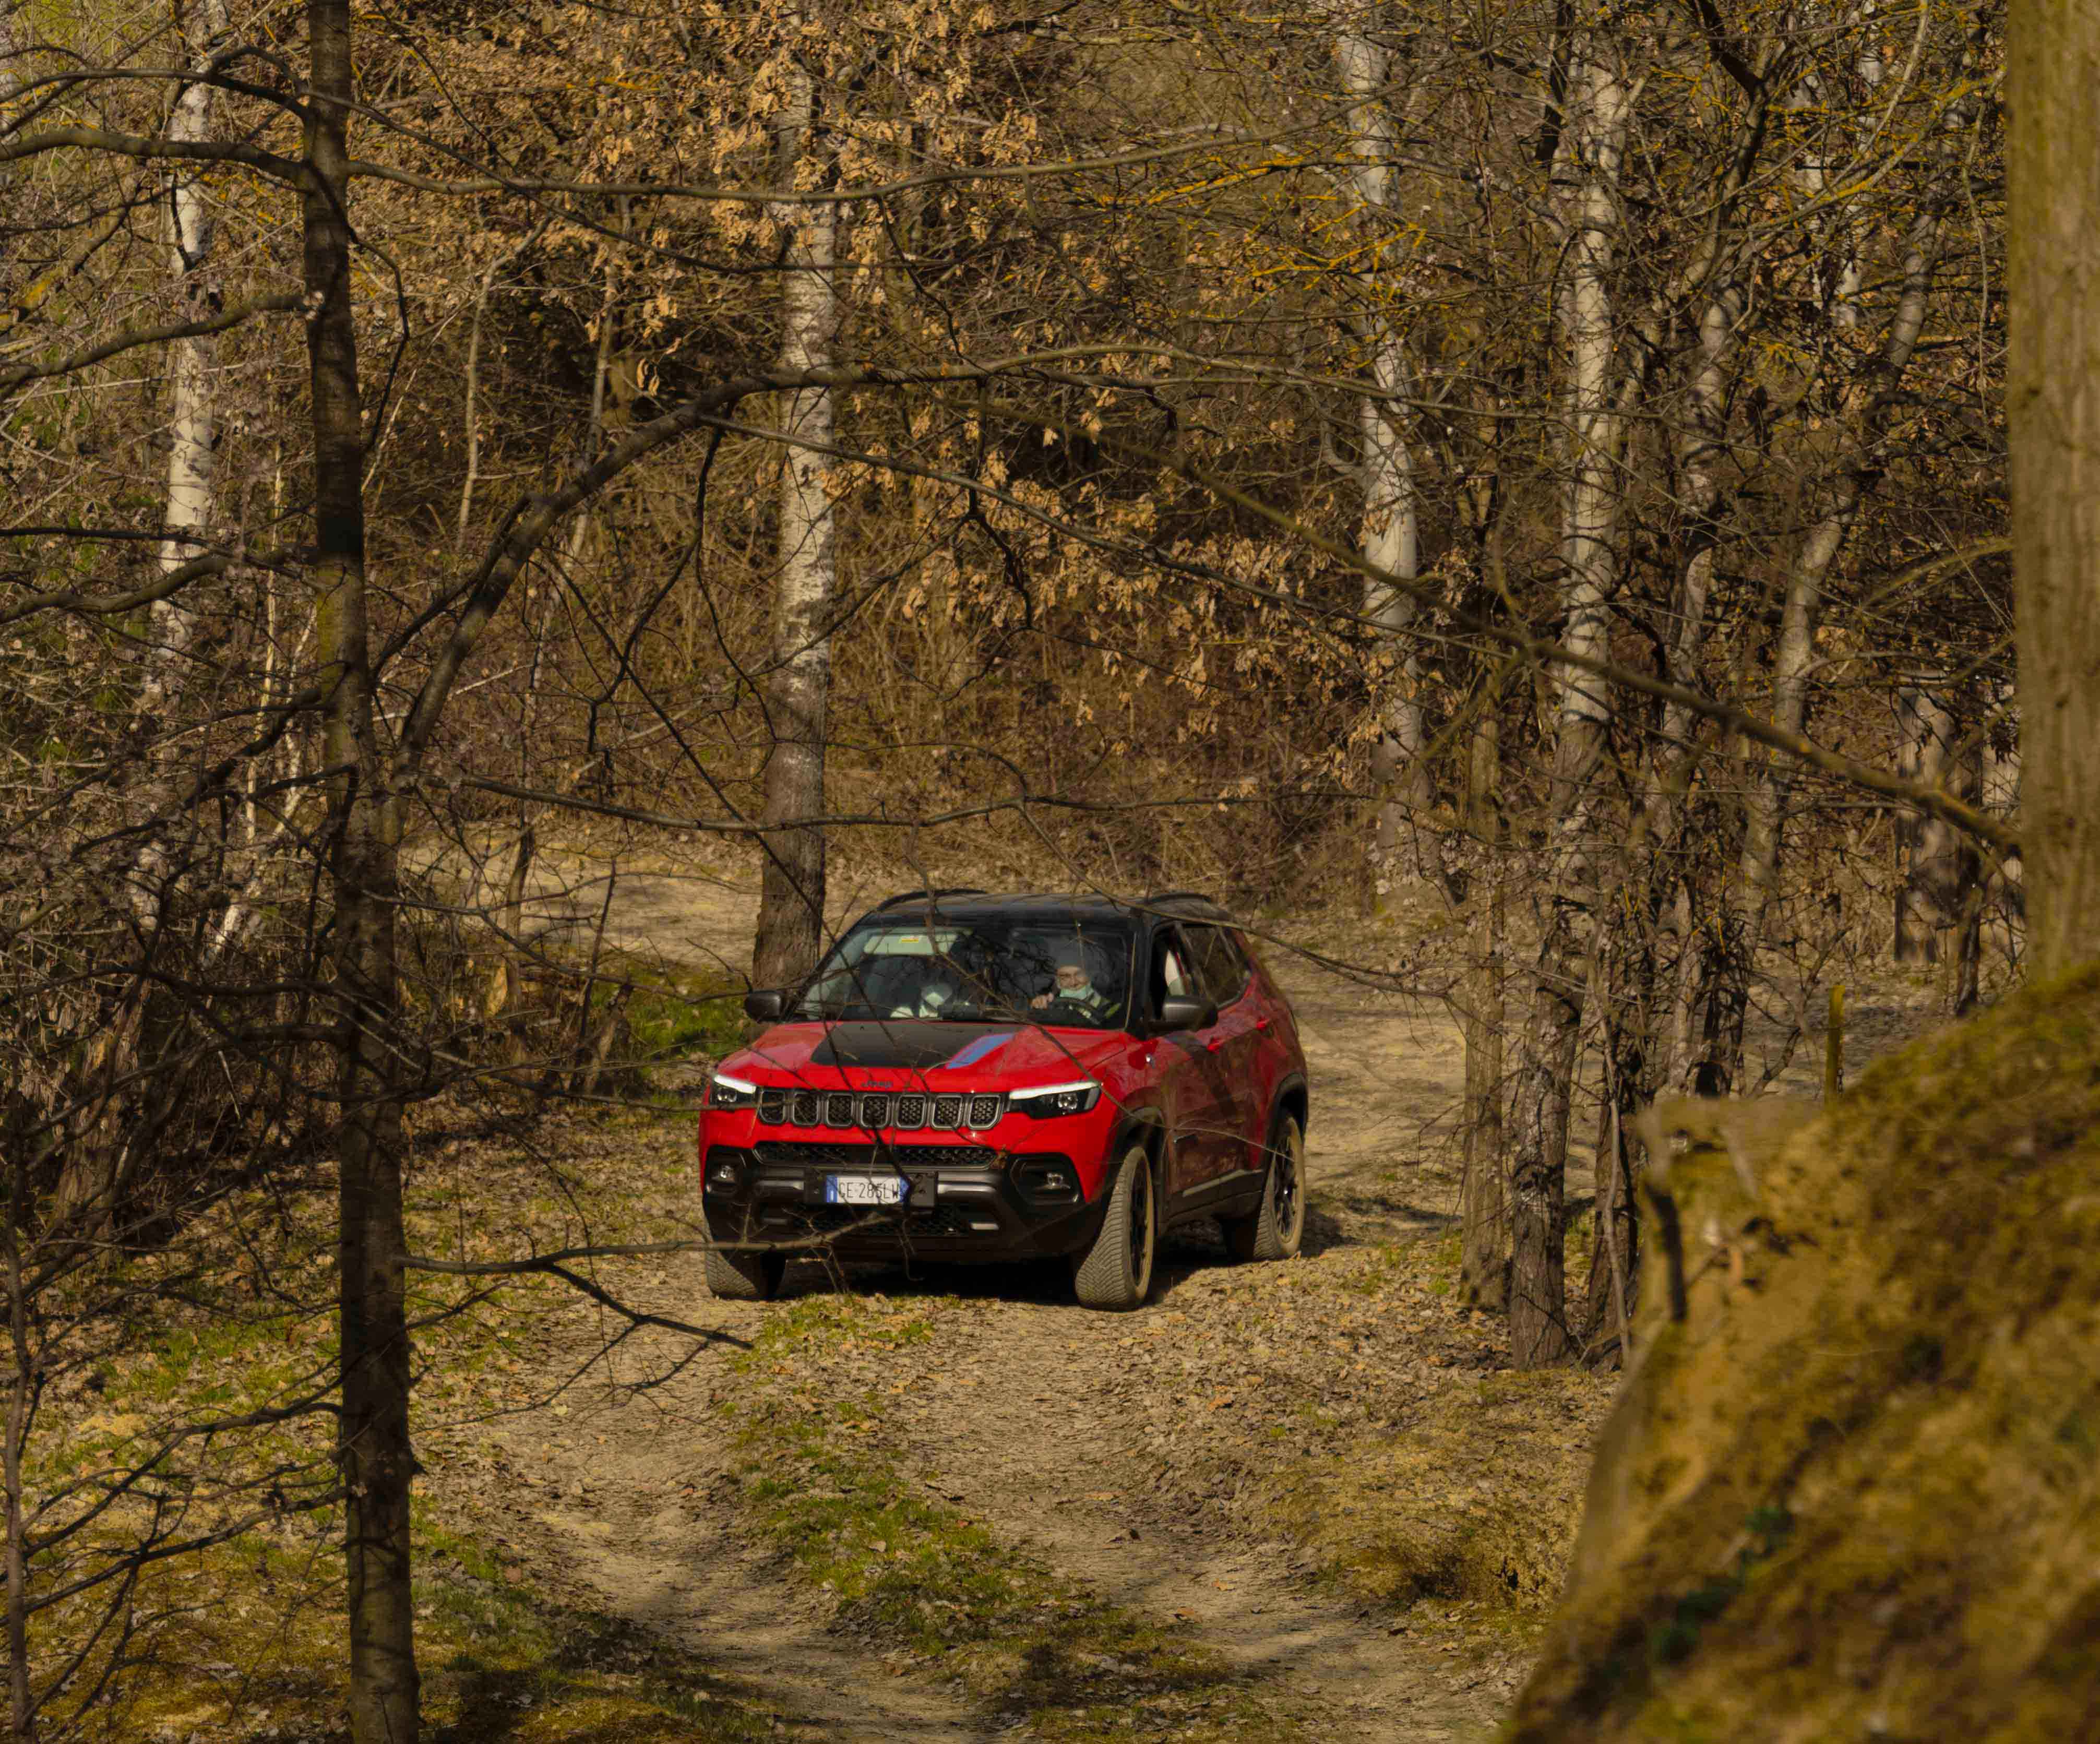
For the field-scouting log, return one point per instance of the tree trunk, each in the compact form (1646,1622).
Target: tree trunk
(2003,895)
(507,985)
(1392,540)
(1666,971)
(97,1158)
(1592,149)
(791,909)
(2053,398)
(2053,401)
(1483,1261)
(1391,536)
(193,393)
(373,1447)
(1615,1250)
(1933,861)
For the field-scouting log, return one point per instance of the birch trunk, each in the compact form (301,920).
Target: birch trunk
(363,829)
(1592,150)
(1390,535)
(791,912)
(2053,397)
(192,365)
(110,1134)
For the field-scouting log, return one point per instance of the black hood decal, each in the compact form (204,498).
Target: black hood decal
(904,1043)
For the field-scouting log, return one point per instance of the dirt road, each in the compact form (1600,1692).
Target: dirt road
(1142,1459)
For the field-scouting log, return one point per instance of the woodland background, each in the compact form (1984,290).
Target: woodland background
(1532,475)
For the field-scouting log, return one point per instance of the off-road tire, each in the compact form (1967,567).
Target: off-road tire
(1277,1229)
(745,1275)
(1116,1272)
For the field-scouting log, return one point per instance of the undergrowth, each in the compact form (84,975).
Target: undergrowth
(246,1640)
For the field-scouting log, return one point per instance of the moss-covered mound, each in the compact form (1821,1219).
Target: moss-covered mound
(1854,1492)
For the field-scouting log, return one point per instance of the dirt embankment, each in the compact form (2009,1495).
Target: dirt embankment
(1854,1491)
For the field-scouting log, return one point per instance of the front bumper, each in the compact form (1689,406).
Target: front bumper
(962,1201)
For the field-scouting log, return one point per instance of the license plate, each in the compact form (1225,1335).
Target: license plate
(864,1190)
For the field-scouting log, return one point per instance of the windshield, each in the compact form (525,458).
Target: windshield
(1072,973)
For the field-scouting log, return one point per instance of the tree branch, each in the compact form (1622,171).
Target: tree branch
(276,303)
(554,1265)
(147,148)
(106,605)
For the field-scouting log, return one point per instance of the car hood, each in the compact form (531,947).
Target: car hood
(981,1055)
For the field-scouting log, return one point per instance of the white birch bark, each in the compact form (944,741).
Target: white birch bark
(192,421)
(102,1133)
(1390,535)
(1592,155)
(791,897)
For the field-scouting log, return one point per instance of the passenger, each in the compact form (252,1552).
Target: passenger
(1074,985)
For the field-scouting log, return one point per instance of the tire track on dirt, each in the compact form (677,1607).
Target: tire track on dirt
(1034,1430)
(622,1496)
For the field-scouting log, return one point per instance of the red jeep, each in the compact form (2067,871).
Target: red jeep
(976,1077)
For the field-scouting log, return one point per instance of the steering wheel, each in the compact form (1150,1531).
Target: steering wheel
(1057,1000)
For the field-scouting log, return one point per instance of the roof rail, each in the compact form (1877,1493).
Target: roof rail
(921,896)
(1183,896)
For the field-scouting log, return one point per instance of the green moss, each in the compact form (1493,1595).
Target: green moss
(1855,1489)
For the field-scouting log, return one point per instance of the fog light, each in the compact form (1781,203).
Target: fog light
(1047,1180)
(724,1172)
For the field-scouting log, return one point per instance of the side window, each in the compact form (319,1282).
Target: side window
(1173,972)
(1225,965)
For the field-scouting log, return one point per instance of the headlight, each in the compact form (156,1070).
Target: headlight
(1049,1101)
(730,1093)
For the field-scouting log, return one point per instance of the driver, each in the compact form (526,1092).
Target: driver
(1075,983)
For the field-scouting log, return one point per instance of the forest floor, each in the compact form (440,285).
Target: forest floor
(1303,1500)
(1305,1497)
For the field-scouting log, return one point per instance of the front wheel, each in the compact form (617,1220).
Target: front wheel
(1277,1229)
(1116,1272)
(745,1275)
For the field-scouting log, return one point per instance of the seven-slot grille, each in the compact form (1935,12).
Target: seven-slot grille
(877,1110)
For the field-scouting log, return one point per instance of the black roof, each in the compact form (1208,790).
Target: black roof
(966,904)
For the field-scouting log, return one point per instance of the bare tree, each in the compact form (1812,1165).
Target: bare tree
(2054,59)
(790,915)
(1592,153)
(1391,532)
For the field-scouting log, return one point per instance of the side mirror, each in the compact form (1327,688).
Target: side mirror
(1185,1014)
(764,1005)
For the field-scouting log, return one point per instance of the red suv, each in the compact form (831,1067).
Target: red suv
(976,1077)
